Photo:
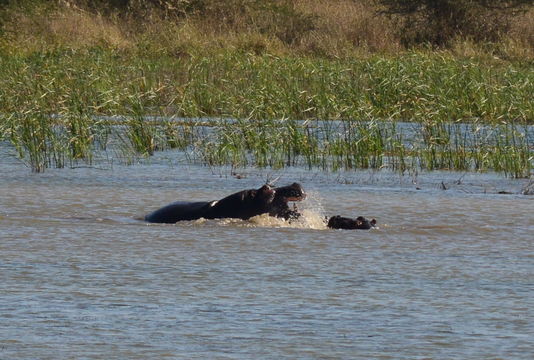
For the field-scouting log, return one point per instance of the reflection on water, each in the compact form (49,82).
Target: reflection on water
(449,274)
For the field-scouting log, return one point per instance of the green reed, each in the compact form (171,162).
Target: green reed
(57,108)
(415,87)
(374,145)
(36,142)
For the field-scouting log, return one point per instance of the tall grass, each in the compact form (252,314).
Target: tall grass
(417,86)
(351,144)
(56,108)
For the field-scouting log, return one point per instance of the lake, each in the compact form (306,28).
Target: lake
(449,273)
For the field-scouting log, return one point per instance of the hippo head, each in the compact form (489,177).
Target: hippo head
(279,207)
(293,192)
(265,194)
(339,222)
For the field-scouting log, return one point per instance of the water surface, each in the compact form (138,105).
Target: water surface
(449,273)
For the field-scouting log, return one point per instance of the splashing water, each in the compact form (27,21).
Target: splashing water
(311,210)
(310,219)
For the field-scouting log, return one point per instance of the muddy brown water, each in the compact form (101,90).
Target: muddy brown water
(449,273)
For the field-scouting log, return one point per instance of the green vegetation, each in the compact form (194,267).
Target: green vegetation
(66,95)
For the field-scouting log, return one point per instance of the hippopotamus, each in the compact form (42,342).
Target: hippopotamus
(241,205)
(339,222)
(282,195)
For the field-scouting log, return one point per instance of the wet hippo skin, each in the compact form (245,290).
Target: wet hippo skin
(361,223)
(279,206)
(241,205)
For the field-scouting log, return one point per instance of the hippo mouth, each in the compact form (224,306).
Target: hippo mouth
(296,197)
(293,192)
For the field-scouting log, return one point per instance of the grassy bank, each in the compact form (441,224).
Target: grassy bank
(317,28)
(60,85)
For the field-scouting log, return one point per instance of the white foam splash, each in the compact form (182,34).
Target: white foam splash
(312,215)
(309,220)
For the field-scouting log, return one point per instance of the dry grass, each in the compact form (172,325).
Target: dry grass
(191,37)
(518,44)
(344,25)
(520,40)
(323,28)
(74,28)
(85,29)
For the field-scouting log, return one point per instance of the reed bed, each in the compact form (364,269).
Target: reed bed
(350,144)
(56,109)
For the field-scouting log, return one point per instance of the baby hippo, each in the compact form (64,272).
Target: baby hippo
(339,222)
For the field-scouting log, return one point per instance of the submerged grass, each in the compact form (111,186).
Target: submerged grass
(56,109)
(351,144)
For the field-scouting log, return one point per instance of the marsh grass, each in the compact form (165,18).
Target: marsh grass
(75,79)
(372,145)
(58,105)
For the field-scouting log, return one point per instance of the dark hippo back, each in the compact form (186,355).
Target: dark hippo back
(177,211)
(242,205)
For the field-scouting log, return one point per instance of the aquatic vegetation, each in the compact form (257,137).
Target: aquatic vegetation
(60,107)
(357,144)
